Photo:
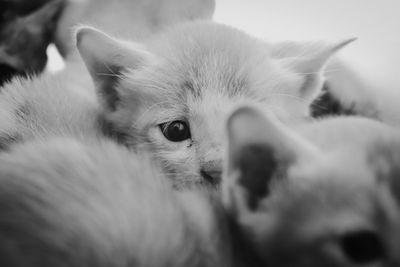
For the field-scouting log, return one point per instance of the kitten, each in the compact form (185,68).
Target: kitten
(24,39)
(169,95)
(347,92)
(306,197)
(172,93)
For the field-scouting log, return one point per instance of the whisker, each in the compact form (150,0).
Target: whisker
(110,74)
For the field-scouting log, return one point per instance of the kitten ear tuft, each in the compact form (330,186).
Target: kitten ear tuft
(106,59)
(308,60)
(260,150)
(317,58)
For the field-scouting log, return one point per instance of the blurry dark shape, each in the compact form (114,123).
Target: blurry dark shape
(24,38)
(6,73)
(328,105)
(23,7)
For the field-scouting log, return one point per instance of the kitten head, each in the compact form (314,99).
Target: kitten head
(24,40)
(173,93)
(298,206)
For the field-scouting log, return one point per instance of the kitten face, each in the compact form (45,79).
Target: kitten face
(333,220)
(173,94)
(297,206)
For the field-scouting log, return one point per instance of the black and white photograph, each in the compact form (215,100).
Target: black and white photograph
(199,133)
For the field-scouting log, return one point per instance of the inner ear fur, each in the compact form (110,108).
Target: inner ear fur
(106,60)
(309,60)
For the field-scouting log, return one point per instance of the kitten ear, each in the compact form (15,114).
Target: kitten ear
(308,60)
(106,58)
(260,150)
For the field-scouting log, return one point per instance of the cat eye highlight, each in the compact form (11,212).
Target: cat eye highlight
(175,131)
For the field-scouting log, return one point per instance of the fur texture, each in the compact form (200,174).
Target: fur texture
(196,73)
(65,203)
(41,107)
(193,74)
(68,203)
(325,197)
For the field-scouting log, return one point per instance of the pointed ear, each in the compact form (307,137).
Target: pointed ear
(308,60)
(260,150)
(106,59)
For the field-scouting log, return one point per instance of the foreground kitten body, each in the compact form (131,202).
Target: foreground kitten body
(65,203)
(74,204)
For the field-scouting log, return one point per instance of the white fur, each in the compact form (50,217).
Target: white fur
(197,72)
(99,204)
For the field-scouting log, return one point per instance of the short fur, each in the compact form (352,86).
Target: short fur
(196,72)
(65,203)
(330,198)
(41,107)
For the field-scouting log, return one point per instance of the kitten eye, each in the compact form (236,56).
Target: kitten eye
(175,131)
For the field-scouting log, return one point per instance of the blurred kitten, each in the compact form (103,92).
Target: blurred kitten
(24,39)
(68,203)
(325,194)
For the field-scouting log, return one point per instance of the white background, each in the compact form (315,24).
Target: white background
(376,23)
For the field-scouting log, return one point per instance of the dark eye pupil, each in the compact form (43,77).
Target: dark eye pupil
(175,131)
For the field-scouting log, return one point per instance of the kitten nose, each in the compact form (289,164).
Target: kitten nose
(211,172)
